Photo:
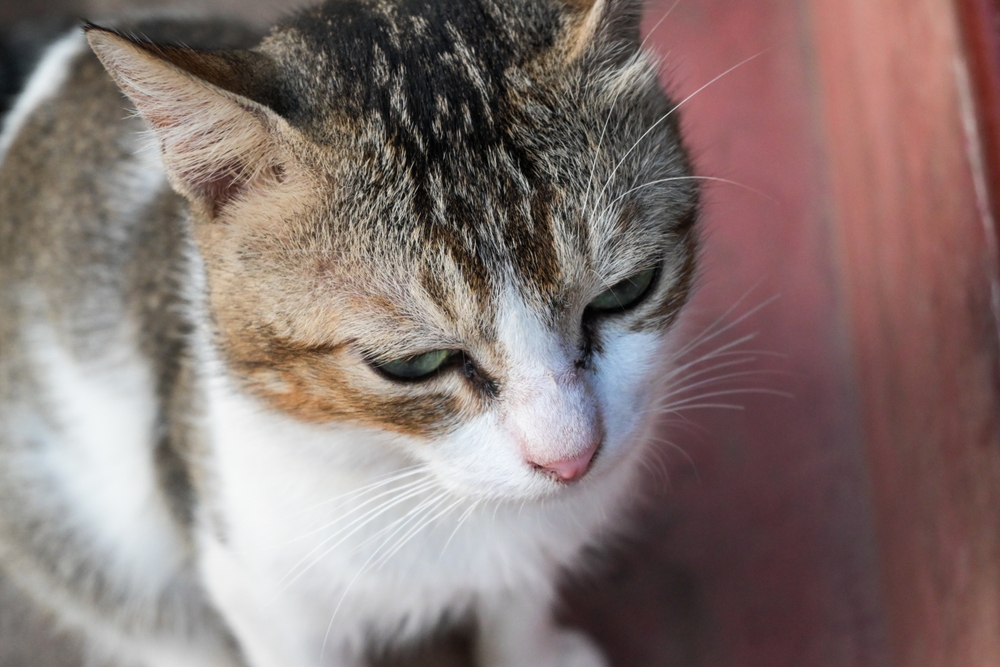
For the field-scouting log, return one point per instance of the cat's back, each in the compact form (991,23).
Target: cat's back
(94,258)
(83,204)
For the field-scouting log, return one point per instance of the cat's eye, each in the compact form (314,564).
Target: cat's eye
(622,295)
(417,367)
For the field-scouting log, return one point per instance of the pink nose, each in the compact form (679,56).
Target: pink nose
(568,470)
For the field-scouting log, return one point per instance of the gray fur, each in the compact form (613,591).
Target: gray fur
(84,248)
(461,137)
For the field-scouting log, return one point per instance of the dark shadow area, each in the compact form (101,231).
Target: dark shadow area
(640,605)
(450,647)
(21,44)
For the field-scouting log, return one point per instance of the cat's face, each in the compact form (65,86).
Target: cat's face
(466,227)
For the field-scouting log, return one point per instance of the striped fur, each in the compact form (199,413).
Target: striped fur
(374,180)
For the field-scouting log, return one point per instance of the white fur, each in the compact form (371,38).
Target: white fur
(626,385)
(103,462)
(299,557)
(550,408)
(272,477)
(103,413)
(548,412)
(95,448)
(45,81)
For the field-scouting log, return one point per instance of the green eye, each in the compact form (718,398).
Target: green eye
(416,367)
(624,294)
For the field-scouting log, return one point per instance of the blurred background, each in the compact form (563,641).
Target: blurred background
(839,503)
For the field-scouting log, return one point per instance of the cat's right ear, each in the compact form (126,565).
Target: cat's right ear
(605,25)
(217,142)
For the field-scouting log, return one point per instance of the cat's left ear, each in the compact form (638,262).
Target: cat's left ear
(209,110)
(605,25)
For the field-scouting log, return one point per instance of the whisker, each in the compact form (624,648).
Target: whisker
(694,369)
(683,452)
(715,380)
(668,389)
(367,518)
(670,113)
(400,523)
(652,453)
(741,360)
(662,469)
(301,567)
(369,501)
(703,406)
(415,530)
(597,155)
(600,141)
(707,335)
(378,481)
(714,179)
(682,420)
(313,531)
(723,350)
(364,567)
(658,24)
(461,519)
(725,392)
(714,330)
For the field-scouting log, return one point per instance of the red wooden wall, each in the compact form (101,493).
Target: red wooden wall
(773,526)
(857,523)
(911,194)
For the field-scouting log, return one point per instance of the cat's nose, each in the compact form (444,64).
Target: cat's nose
(568,470)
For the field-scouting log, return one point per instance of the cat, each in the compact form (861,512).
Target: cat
(310,345)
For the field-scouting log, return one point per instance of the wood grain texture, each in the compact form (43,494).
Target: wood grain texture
(919,266)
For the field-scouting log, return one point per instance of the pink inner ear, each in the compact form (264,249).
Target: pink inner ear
(221,185)
(228,181)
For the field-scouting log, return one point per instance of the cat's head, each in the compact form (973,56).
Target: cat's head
(464,223)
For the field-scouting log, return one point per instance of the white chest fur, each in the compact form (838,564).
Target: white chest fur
(324,537)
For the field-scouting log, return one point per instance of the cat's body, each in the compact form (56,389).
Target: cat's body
(217,445)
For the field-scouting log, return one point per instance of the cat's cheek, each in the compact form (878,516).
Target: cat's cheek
(625,380)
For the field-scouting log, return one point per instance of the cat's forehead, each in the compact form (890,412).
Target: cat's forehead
(431,73)
(459,140)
